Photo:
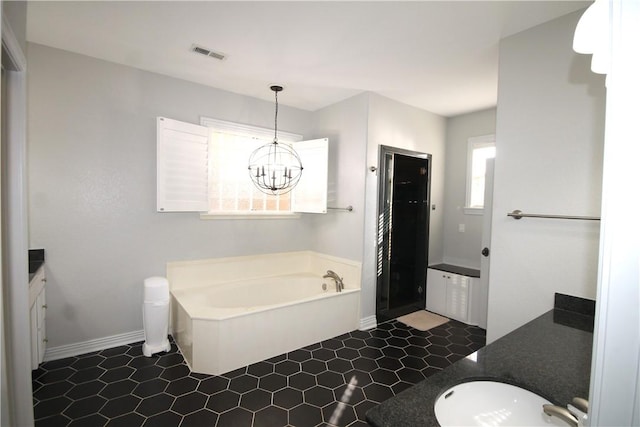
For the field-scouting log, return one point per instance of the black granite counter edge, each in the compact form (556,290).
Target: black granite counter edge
(574,311)
(36,255)
(545,357)
(36,260)
(33,269)
(455,269)
(34,266)
(574,304)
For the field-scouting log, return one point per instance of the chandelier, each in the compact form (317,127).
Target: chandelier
(275,168)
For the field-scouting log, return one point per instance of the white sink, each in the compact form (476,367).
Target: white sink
(489,403)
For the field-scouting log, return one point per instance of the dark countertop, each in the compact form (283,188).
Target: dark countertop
(463,271)
(36,260)
(33,269)
(550,356)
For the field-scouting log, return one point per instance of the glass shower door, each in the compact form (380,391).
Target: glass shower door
(403,232)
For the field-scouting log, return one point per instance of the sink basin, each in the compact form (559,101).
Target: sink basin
(490,403)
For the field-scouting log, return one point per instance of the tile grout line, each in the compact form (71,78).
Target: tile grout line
(388,359)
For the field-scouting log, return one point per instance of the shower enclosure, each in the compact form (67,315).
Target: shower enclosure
(403,231)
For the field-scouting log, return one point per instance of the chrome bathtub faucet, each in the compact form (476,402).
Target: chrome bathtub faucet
(336,278)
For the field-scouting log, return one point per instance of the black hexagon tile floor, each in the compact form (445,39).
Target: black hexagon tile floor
(331,383)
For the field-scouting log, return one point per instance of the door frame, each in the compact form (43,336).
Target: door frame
(383,176)
(485,261)
(17,399)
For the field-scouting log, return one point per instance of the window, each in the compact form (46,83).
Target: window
(480,149)
(204,169)
(230,189)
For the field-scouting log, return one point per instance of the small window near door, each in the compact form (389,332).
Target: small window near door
(480,149)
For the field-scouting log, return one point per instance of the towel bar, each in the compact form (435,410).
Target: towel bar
(518,214)
(348,208)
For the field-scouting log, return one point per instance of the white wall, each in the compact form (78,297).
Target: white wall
(92,185)
(549,135)
(340,233)
(398,125)
(462,248)
(16,14)
(92,155)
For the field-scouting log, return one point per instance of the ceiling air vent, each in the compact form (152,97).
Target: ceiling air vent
(207,52)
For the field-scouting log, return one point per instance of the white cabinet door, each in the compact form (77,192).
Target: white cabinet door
(457,297)
(41,305)
(436,291)
(448,294)
(38,313)
(477,303)
(34,336)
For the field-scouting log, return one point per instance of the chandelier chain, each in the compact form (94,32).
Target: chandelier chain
(275,168)
(275,135)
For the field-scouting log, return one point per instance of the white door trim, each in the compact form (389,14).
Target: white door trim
(15,260)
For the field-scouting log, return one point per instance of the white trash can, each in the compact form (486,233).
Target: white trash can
(155,316)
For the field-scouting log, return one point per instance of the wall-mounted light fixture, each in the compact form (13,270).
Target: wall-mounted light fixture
(275,168)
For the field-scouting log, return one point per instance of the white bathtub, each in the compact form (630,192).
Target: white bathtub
(227,325)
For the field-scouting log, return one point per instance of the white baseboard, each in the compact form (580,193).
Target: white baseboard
(76,349)
(368,323)
(60,352)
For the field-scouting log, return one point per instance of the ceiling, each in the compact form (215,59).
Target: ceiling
(441,56)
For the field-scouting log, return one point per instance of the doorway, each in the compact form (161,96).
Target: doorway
(404,184)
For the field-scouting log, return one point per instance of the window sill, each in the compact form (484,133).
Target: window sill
(230,215)
(474,211)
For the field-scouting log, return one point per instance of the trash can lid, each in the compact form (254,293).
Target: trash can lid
(156,289)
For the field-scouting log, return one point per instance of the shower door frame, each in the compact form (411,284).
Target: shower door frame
(383,259)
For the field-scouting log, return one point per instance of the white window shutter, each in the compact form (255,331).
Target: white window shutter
(310,195)
(183,174)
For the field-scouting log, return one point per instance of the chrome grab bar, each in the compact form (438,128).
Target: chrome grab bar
(518,214)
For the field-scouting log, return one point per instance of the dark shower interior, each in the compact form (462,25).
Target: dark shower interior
(407,239)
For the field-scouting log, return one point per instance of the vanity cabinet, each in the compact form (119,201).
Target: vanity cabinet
(38,304)
(448,294)
(436,291)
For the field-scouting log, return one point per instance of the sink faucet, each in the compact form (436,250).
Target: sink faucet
(336,278)
(574,415)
